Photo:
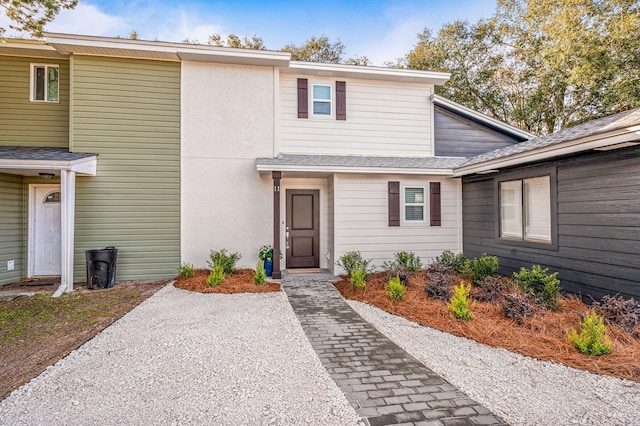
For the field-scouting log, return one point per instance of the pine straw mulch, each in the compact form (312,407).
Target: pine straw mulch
(241,281)
(542,337)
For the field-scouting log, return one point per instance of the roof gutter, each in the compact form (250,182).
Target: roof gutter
(84,166)
(349,169)
(597,141)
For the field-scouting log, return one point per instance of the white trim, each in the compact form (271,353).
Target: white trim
(492,122)
(31,232)
(592,142)
(68,195)
(83,166)
(367,72)
(403,205)
(352,169)
(331,102)
(32,87)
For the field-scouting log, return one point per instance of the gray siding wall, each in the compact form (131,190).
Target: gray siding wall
(11,224)
(128,112)
(456,136)
(598,223)
(26,123)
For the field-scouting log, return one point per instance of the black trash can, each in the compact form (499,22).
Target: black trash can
(101,267)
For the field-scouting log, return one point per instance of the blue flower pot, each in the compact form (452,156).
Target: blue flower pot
(268,267)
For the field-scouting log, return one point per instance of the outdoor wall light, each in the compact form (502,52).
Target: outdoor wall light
(46,176)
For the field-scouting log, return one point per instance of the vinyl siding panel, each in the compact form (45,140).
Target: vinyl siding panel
(361,219)
(128,112)
(12,215)
(383,118)
(26,123)
(456,136)
(598,224)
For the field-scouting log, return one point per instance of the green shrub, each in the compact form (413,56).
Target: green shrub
(353,260)
(459,303)
(226,260)
(216,276)
(404,260)
(260,275)
(545,287)
(592,339)
(359,278)
(186,270)
(395,289)
(486,266)
(458,262)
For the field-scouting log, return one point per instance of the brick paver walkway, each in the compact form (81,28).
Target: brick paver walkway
(382,382)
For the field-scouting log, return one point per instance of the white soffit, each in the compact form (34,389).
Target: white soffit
(367,72)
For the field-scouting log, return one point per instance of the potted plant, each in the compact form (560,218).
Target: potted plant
(266,255)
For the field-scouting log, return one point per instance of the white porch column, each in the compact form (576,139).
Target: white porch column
(67,213)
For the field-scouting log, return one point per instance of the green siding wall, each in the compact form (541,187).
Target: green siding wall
(11,221)
(128,112)
(26,123)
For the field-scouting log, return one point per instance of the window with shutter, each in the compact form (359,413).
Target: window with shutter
(414,204)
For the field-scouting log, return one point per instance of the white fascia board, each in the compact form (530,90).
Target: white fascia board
(367,72)
(85,166)
(463,110)
(348,169)
(546,153)
(107,46)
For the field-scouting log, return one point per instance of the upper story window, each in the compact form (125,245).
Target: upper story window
(321,99)
(414,204)
(525,209)
(45,83)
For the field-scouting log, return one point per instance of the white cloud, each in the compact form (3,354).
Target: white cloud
(180,25)
(395,44)
(90,20)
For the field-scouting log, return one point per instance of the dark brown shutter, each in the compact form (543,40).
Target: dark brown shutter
(303,100)
(434,203)
(394,203)
(341,100)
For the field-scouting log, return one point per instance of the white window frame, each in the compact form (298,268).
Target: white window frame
(523,217)
(330,101)
(405,204)
(32,86)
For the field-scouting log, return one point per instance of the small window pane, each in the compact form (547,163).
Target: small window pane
(321,108)
(413,195)
(415,213)
(52,197)
(38,84)
(322,92)
(511,209)
(52,84)
(537,209)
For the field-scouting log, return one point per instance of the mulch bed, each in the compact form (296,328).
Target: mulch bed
(241,281)
(542,337)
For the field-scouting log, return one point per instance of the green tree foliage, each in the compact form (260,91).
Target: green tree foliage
(232,40)
(317,49)
(541,65)
(31,16)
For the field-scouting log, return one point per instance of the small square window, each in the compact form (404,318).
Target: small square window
(321,99)
(414,204)
(45,83)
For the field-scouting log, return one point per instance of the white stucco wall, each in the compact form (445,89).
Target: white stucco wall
(227,122)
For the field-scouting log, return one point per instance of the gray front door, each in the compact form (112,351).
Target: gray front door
(303,228)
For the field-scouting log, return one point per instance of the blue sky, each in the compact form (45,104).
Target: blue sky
(381,30)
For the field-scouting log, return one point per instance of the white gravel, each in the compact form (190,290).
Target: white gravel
(188,358)
(521,390)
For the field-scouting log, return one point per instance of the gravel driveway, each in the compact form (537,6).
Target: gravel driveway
(188,358)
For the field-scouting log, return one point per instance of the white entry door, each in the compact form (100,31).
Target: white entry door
(47,258)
